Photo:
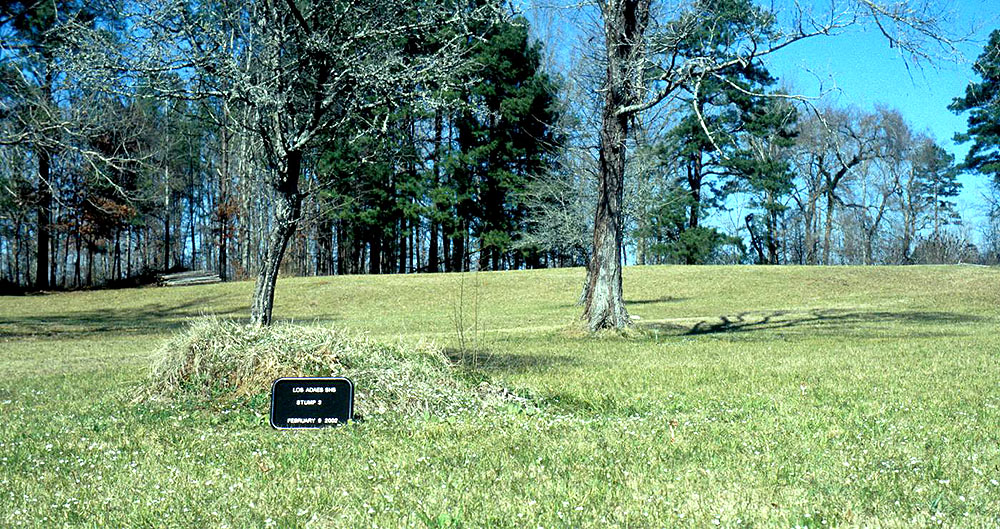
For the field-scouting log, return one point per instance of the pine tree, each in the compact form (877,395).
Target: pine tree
(717,105)
(507,140)
(935,170)
(762,168)
(982,101)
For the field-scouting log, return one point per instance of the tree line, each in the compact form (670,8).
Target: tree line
(311,138)
(109,186)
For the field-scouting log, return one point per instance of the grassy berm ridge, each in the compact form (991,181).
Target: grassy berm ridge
(744,397)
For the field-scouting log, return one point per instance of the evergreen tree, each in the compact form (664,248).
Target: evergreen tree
(505,142)
(935,170)
(718,108)
(762,169)
(718,104)
(982,101)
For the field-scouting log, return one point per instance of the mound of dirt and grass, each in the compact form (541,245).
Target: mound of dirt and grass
(219,362)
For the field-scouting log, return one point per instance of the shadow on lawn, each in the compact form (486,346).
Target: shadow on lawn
(507,362)
(650,301)
(664,299)
(818,320)
(150,318)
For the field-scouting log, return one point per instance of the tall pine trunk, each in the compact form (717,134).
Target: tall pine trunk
(76,264)
(44,214)
(694,178)
(432,250)
(403,236)
(446,251)
(166,220)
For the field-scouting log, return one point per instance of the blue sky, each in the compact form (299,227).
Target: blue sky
(858,64)
(864,72)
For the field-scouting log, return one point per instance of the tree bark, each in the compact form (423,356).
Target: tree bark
(44,214)
(446,250)
(192,219)
(809,226)
(90,265)
(76,265)
(166,220)
(116,260)
(375,251)
(287,206)
(828,228)
(907,237)
(403,236)
(432,250)
(624,25)
(694,178)
(128,252)
(458,249)
(324,245)
(772,236)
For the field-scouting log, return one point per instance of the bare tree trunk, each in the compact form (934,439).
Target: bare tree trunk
(624,24)
(192,218)
(907,236)
(19,246)
(828,229)
(772,238)
(287,206)
(809,223)
(432,250)
(44,214)
(694,178)
(403,236)
(76,265)
(116,261)
(458,249)
(375,252)
(324,245)
(90,265)
(166,220)
(223,206)
(53,252)
(128,252)
(446,251)
(415,244)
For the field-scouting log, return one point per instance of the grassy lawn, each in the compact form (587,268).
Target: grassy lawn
(747,397)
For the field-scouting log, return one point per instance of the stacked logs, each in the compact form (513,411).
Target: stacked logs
(183,279)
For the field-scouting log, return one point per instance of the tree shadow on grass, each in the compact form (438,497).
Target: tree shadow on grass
(819,321)
(651,301)
(148,319)
(490,361)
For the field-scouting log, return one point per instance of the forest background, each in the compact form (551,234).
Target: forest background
(471,142)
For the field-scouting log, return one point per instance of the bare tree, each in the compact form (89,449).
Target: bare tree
(301,70)
(647,64)
(833,144)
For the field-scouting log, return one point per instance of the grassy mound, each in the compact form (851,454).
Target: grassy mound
(219,361)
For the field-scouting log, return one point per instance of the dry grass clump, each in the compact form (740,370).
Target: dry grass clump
(222,361)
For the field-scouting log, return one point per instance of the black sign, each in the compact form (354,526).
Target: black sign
(311,402)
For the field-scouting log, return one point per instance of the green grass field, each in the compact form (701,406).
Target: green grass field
(747,397)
